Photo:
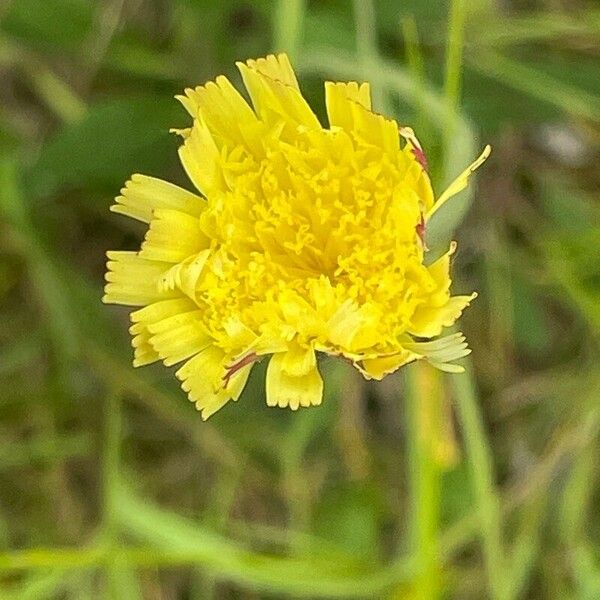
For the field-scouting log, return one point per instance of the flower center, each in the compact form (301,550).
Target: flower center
(328,206)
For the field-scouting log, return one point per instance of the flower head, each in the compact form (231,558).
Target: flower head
(302,239)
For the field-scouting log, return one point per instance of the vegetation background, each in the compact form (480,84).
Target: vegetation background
(484,485)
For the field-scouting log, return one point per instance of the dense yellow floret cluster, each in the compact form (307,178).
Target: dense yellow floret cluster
(304,239)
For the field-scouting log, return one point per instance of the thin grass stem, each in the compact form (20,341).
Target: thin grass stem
(482,481)
(423,404)
(365,23)
(287,34)
(416,67)
(452,80)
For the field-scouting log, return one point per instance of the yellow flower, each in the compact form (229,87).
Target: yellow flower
(302,239)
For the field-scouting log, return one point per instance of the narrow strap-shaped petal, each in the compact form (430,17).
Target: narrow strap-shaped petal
(349,107)
(276,67)
(438,309)
(201,160)
(203,379)
(285,389)
(354,327)
(134,281)
(274,90)
(447,367)
(428,321)
(378,368)
(298,360)
(186,275)
(460,183)
(179,337)
(142,195)
(228,117)
(144,353)
(339,98)
(375,129)
(441,352)
(439,272)
(173,236)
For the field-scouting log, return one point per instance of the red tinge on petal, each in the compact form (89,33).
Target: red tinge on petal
(235,367)
(421,158)
(420,229)
(409,135)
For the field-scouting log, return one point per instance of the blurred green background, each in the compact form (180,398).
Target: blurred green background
(483,485)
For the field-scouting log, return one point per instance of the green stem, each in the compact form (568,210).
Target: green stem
(366,29)
(452,82)
(366,48)
(416,67)
(111,459)
(289,16)
(423,400)
(482,480)
(54,92)
(536,84)
(121,580)
(454,51)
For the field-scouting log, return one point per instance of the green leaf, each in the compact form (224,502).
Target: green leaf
(115,139)
(312,576)
(59,24)
(350,516)
(531,329)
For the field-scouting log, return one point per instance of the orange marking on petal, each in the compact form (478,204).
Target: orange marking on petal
(421,158)
(235,367)
(420,229)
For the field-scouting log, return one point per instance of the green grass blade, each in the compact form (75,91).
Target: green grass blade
(287,25)
(543,87)
(482,481)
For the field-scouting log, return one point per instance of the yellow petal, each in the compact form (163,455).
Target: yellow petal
(142,195)
(429,321)
(227,116)
(200,158)
(284,389)
(235,387)
(447,367)
(161,310)
(298,361)
(274,90)
(353,327)
(179,337)
(339,98)
(298,313)
(173,236)
(238,334)
(202,379)
(183,133)
(201,375)
(439,271)
(460,183)
(349,107)
(272,340)
(276,67)
(144,353)
(438,309)
(378,368)
(442,351)
(134,281)
(186,275)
